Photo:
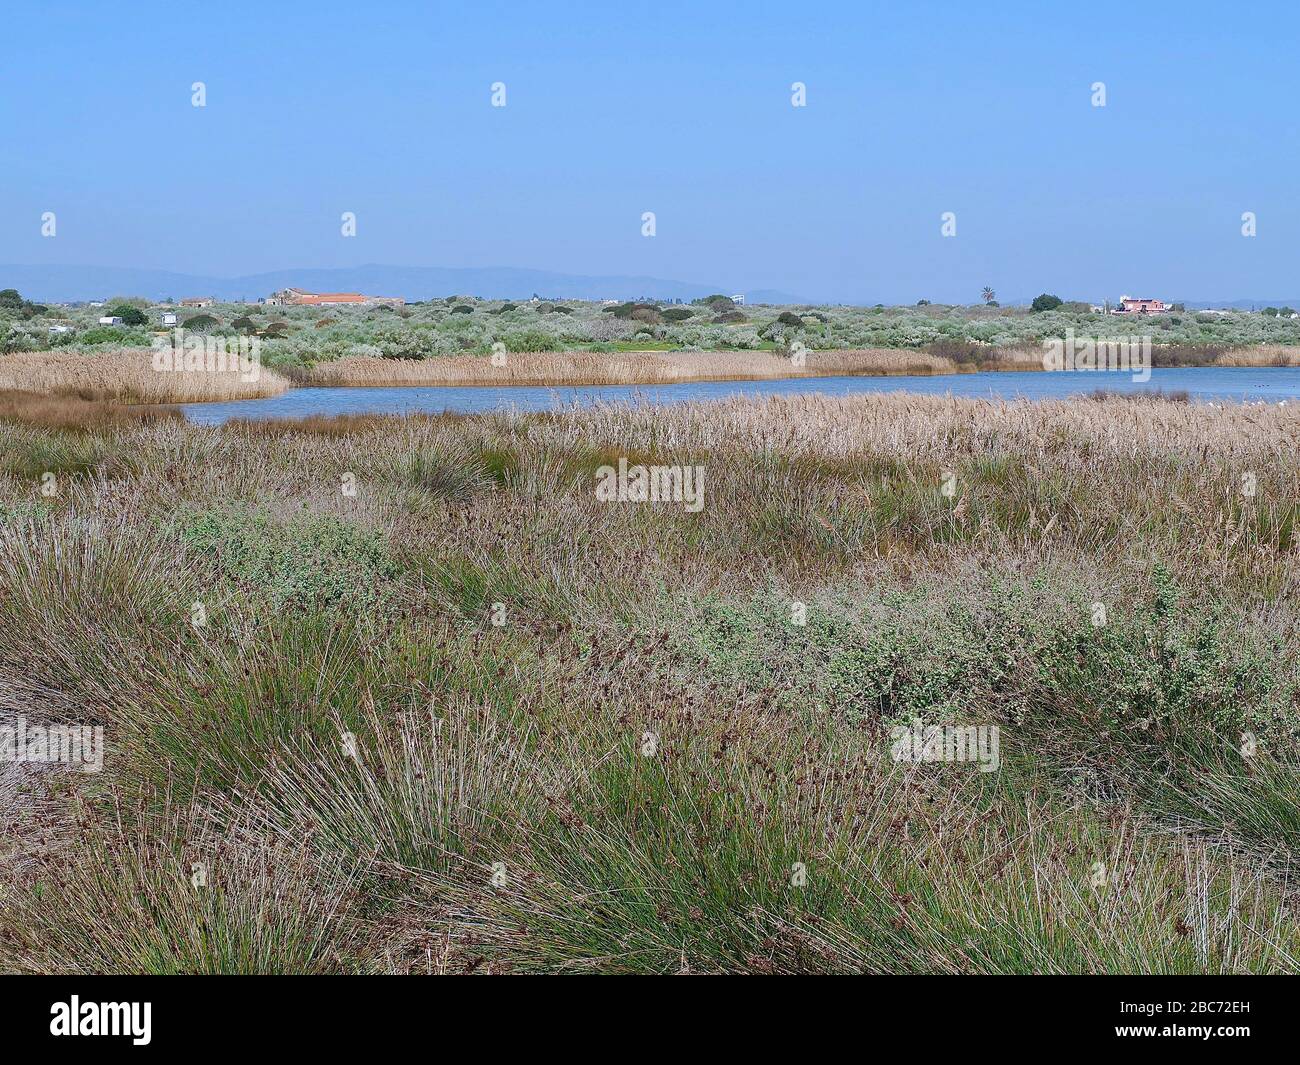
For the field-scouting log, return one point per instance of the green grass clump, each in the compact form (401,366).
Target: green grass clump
(172,895)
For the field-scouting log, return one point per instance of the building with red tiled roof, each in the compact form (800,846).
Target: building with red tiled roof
(1132,305)
(296,297)
(313,299)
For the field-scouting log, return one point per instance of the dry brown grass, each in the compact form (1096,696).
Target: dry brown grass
(331,425)
(1261,355)
(1111,442)
(127,377)
(1015,359)
(631,368)
(1116,478)
(73,412)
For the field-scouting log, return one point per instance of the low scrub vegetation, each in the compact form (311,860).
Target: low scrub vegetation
(986,334)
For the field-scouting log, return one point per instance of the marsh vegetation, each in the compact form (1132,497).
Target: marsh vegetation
(629,771)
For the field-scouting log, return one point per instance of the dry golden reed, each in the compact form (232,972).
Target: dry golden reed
(632,368)
(127,376)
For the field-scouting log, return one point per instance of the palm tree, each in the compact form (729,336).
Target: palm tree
(988,294)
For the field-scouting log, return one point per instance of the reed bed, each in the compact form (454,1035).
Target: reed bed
(1015,359)
(446,711)
(128,377)
(1262,355)
(73,412)
(632,368)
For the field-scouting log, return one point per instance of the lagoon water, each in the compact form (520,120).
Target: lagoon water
(1205,384)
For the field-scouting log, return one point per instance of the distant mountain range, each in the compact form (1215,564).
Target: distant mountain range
(71,284)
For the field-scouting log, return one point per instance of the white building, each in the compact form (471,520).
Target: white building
(109,319)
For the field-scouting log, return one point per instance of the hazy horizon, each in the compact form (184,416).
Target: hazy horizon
(74,283)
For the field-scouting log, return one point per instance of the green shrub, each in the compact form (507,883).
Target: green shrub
(129,314)
(104,334)
(717,302)
(529,340)
(306,564)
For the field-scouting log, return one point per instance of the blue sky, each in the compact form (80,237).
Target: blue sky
(614,109)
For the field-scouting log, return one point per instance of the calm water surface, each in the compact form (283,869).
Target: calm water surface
(1208,384)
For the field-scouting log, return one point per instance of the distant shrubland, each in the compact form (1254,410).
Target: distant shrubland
(461,325)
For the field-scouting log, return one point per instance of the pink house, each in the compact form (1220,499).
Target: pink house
(1131,305)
